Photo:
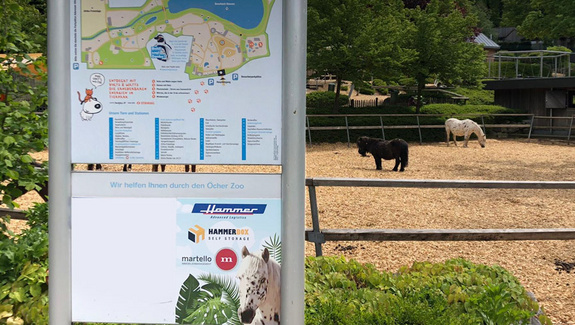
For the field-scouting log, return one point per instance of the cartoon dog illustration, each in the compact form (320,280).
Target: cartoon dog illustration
(90,105)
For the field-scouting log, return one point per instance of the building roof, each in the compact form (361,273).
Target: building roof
(531,83)
(486,42)
(507,35)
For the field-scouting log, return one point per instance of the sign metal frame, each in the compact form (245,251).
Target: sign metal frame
(293,169)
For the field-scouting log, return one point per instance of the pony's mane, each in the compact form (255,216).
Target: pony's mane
(254,261)
(274,269)
(477,127)
(369,140)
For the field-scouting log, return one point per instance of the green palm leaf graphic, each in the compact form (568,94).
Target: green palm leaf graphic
(215,302)
(274,246)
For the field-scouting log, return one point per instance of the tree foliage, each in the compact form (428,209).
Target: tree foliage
(357,40)
(23,26)
(23,97)
(438,38)
(541,19)
(351,38)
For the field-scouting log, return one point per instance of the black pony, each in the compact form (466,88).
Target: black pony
(394,149)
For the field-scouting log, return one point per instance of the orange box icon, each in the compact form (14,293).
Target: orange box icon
(196,234)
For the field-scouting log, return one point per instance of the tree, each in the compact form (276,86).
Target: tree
(541,19)
(439,39)
(22,26)
(493,9)
(352,38)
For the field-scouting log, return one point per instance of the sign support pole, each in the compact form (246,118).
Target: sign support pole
(293,166)
(60,164)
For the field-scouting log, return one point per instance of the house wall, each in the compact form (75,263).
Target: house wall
(533,101)
(528,100)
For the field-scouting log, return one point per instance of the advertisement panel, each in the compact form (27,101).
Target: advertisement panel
(176,82)
(176,248)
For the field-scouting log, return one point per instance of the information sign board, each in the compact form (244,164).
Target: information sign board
(176,82)
(161,248)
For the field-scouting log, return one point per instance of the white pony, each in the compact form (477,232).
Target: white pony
(259,289)
(464,128)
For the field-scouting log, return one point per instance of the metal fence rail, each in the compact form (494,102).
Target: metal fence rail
(319,236)
(347,126)
(551,128)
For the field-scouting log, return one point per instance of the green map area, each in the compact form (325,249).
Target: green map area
(152,37)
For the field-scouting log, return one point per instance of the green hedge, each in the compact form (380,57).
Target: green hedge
(367,91)
(477,96)
(344,292)
(410,135)
(324,100)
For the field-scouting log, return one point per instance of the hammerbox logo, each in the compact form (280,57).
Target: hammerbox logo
(229,209)
(196,234)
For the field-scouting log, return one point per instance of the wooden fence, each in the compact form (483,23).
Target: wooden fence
(358,103)
(344,123)
(319,236)
(13,213)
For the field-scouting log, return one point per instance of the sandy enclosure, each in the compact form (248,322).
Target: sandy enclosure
(533,262)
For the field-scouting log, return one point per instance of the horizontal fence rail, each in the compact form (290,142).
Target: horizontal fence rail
(319,236)
(13,214)
(344,121)
(551,128)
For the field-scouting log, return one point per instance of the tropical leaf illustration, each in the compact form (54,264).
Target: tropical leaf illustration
(274,246)
(230,293)
(189,298)
(215,302)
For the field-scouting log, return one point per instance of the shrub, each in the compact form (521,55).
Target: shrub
(378,82)
(455,292)
(24,270)
(324,99)
(477,96)
(366,91)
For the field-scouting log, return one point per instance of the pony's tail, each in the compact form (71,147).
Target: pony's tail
(404,154)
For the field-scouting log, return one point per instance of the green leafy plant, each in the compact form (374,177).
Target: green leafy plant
(324,99)
(23,126)
(23,98)
(455,292)
(24,270)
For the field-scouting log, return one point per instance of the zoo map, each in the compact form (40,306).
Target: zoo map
(176,81)
(119,37)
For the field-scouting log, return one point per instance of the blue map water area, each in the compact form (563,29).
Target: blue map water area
(244,13)
(151,20)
